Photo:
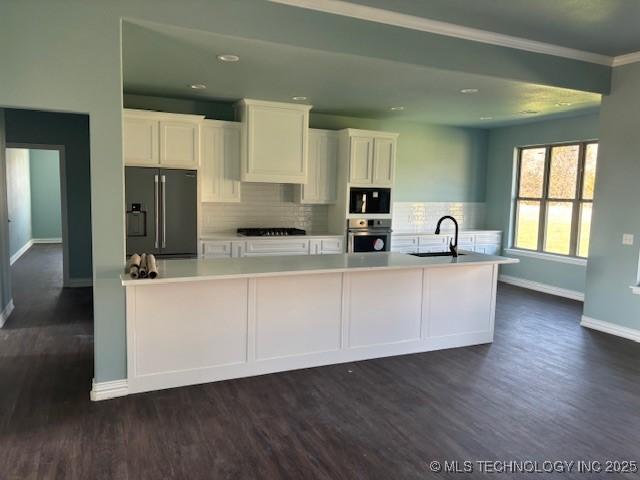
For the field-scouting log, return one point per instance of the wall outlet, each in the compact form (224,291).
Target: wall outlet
(627,239)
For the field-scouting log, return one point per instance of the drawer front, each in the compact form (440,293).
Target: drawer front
(434,240)
(487,249)
(488,238)
(401,241)
(216,249)
(277,247)
(331,245)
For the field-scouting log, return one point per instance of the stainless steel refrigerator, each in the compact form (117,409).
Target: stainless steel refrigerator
(161,211)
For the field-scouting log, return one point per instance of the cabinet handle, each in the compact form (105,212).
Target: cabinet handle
(157,205)
(164,211)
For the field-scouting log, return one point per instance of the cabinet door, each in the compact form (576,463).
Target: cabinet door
(238,249)
(331,245)
(315,246)
(361,161)
(328,169)
(311,189)
(276,144)
(230,164)
(210,165)
(140,141)
(383,161)
(179,144)
(216,249)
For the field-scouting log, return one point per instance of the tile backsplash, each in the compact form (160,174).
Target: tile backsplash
(413,217)
(263,205)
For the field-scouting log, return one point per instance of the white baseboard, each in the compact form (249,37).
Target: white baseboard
(14,258)
(47,240)
(4,315)
(542,287)
(107,390)
(78,282)
(611,328)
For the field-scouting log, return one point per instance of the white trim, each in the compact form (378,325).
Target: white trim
(63,198)
(635,289)
(626,59)
(611,328)
(546,256)
(542,287)
(4,315)
(47,240)
(372,14)
(14,258)
(107,390)
(78,282)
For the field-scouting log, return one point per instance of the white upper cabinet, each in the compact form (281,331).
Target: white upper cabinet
(361,164)
(179,143)
(372,157)
(384,160)
(141,140)
(322,161)
(220,161)
(274,141)
(161,139)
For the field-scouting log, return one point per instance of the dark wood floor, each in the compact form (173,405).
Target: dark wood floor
(546,389)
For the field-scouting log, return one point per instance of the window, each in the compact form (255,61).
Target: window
(554,198)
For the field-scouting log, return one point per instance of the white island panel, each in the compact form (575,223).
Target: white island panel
(187,326)
(384,307)
(298,315)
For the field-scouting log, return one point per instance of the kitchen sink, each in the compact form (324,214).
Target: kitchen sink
(435,254)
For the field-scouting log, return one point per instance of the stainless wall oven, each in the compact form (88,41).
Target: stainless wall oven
(368,235)
(370,200)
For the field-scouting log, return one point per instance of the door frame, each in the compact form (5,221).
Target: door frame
(63,200)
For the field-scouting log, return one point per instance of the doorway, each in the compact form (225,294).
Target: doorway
(37,204)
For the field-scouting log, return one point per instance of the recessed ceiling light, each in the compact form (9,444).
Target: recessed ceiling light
(563,104)
(397,109)
(197,86)
(469,90)
(529,112)
(227,57)
(299,99)
(486,118)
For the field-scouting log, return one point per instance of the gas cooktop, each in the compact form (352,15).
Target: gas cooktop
(270,232)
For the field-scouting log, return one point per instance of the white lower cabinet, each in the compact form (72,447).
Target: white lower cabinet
(489,242)
(271,247)
(324,246)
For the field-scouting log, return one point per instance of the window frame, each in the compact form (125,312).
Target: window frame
(544,199)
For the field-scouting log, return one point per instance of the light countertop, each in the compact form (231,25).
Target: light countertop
(443,232)
(234,236)
(190,270)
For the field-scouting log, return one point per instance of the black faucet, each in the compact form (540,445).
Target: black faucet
(453,244)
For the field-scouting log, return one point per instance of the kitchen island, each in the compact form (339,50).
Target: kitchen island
(209,320)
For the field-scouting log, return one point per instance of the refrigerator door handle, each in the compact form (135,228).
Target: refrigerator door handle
(157,209)
(164,211)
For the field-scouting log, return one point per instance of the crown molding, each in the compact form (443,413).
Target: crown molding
(372,14)
(626,59)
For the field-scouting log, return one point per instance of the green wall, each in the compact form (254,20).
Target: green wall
(72,132)
(613,267)
(46,214)
(500,171)
(18,198)
(66,57)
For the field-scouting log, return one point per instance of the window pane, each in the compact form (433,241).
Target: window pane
(531,172)
(563,173)
(527,224)
(585,229)
(591,158)
(557,238)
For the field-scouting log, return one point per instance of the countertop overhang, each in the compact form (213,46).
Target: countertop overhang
(193,270)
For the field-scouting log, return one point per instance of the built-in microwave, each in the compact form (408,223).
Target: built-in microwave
(370,200)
